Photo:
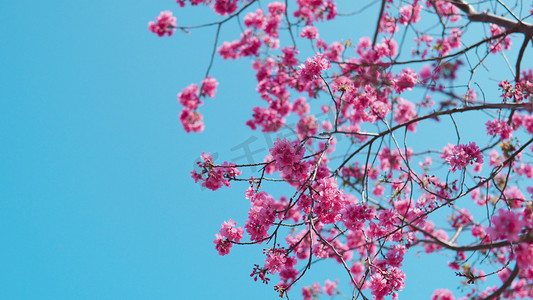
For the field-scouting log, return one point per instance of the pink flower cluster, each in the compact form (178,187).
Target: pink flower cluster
(442,294)
(440,234)
(355,215)
(329,202)
(269,119)
(387,48)
(192,121)
(459,156)
(499,127)
(410,13)
(225,7)
(276,259)
(384,283)
(506,225)
(248,45)
(500,44)
(260,216)
(288,156)
(315,10)
(514,197)
(268,23)
(311,292)
(307,126)
(523,120)
(388,24)
(309,32)
(251,41)
(406,80)
(446,10)
(452,41)
(392,160)
(330,287)
(165,24)
(313,67)
(520,91)
(405,112)
(228,235)
(212,176)
(190,118)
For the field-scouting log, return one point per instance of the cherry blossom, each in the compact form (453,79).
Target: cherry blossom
(165,23)
(354,127)
(462,155)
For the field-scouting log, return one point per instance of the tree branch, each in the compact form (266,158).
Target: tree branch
(475,16)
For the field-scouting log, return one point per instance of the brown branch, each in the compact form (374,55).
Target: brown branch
(519,59)
(451,246)
(475,16)
(382,9)
(505,285)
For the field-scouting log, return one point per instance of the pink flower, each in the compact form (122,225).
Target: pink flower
(309,32)
(388,47)
(524,255)
(447,10)
(329,201)
(385,283)
(528,123)
(192,121)
(334,51)
(276,8)
(229,50)
(255,19)
(405,112)
(378,190)
(499,127)
(495,158)
(388,24)
(213,176)
(499,44)
(355,215)
(225,7)
(188,97)
(395,255)
(406,80)
(248,45)
(165,23)
(260,216)
(209,86)
(300,106)
(453,41)
(313,67)
(289,56)
(228,235)
(410,14)
(462,155)
(307,126)
(309,292)
(442,294)
(222,244)
(230,232)
(392,160)
(330,287)
(514,197)
(267,118)
(506,225)
(276,259)
(287,155)
(426,73)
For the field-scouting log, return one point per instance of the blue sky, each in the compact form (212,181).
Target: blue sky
(96,200)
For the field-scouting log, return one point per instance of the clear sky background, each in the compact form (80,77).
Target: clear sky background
(96,200)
